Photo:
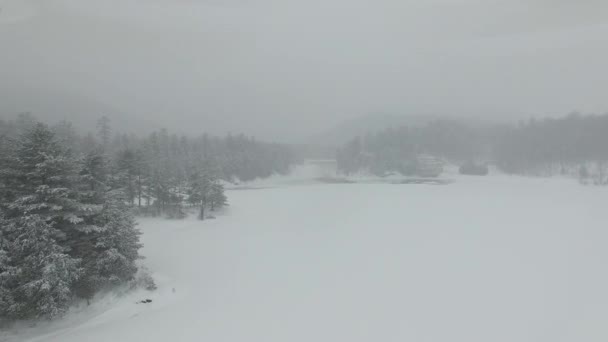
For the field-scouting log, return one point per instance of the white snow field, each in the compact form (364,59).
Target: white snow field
(482,259)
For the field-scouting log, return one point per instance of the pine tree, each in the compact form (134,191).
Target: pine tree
(127,173)
(25,122)
(92,188)
(217,198)
(93,176)
(104,131)
(6,268)
(7,146)
(119,244)
(140,176)
(43,215)
(199,190)
(41,174)
(109,246)
(35,272)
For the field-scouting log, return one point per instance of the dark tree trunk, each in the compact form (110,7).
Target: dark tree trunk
(139,191)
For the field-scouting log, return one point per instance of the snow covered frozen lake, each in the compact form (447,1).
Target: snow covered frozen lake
(481,259)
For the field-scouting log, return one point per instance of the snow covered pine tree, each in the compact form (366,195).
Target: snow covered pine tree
(217,198)
(38,208)
(107,241)
(206,191)
(36,274)
(64,232)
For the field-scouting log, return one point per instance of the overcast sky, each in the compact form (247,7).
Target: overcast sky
(288,68)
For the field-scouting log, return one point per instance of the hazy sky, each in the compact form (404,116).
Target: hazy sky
(287,68)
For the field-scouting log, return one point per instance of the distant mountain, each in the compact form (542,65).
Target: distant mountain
(347,130)
(51,107)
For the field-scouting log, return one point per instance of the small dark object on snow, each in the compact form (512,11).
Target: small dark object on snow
(145,301)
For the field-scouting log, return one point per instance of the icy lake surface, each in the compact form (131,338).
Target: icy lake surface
(481,259)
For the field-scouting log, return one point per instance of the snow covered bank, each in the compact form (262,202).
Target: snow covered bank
(481,259)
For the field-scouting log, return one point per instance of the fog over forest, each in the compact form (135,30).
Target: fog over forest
(299,67)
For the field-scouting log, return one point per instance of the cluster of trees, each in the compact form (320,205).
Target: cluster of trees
(67,202)
(398,149)
(65,232)
(575,143)
(163,173)
(551,146)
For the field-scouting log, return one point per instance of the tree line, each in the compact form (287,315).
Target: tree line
(67,203)
(163,173)
(574,144)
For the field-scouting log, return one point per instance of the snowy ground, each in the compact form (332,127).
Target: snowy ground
(480,259)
